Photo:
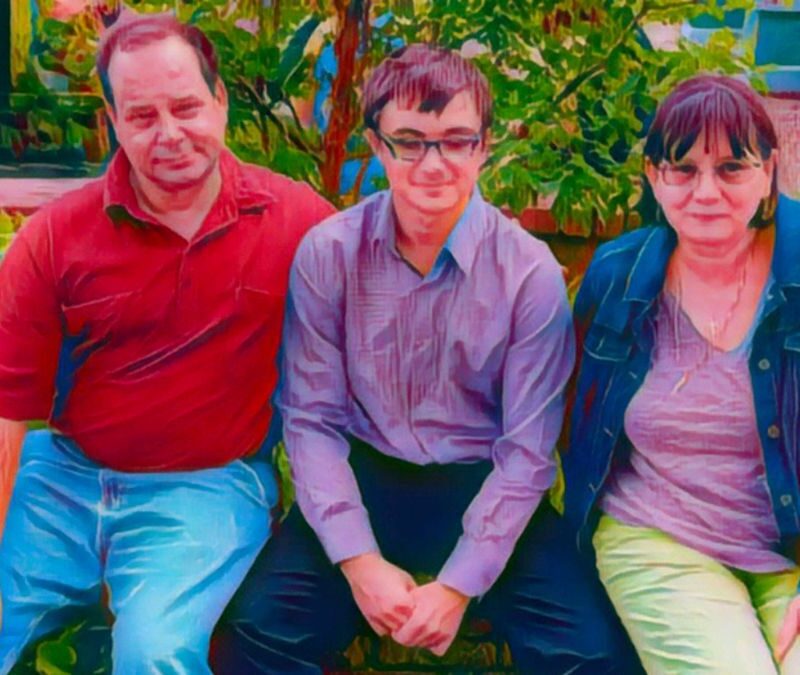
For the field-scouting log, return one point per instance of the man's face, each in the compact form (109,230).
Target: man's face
(427,180)
(170,125)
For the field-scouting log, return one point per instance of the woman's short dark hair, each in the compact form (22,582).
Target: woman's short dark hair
(427,74)
(715,103)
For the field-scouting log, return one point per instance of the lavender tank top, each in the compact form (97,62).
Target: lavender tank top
(696,470)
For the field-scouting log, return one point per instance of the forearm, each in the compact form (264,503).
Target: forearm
(11,436)
(538,363)
(492,525)
(326,489)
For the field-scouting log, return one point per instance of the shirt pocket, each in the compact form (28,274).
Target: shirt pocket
(253,302)
(259,313)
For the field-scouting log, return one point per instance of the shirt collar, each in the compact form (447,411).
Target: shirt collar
(648,273)
(239,193)
(461,243)
(649,270)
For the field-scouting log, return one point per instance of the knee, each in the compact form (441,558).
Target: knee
(145,649)
(241,647)
(597,653)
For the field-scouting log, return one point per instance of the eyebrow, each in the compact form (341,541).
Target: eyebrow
(452,131)
(189,98)
(407,131)
(721,160)
(131,110)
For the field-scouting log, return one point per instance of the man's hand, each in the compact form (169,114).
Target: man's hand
(437,616)
(381,590)
(789,630)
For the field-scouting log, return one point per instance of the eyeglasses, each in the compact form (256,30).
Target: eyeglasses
(452,148)
(729,172)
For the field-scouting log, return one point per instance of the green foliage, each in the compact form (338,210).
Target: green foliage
(46,126)
(265,78)
(10,222)
(67,48)
(574,81)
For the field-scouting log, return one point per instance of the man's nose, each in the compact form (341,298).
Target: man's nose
(169,129)
(432,159)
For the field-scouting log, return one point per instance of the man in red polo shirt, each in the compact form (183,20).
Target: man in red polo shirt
(141,317)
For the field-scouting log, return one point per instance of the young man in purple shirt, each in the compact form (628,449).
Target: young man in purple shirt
(427,343)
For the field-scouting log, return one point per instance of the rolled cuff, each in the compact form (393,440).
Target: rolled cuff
(347,535)
(474,566)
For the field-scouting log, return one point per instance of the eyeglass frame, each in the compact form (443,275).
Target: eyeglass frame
(389,142)
(662,168)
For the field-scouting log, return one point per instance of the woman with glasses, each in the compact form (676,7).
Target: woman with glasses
(685,437)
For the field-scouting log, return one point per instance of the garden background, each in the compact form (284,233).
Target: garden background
(575,83)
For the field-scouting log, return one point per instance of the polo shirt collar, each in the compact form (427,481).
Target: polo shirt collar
(238,194)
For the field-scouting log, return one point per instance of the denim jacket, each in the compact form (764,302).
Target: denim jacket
(615,314)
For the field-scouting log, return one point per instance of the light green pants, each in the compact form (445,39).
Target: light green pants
(687,613)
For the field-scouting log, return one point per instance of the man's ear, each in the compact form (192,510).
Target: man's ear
(373,141)
(221,93)
(484,147)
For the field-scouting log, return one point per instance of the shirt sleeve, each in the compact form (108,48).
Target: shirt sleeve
(313,401)
(30,324)
(538,364)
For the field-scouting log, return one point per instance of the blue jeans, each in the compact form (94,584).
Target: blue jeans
(171,549)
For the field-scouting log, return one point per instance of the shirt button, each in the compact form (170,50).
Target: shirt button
(764,364)
(786,500)
(773,431)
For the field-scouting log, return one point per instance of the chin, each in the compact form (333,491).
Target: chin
(184,179)
(443,204)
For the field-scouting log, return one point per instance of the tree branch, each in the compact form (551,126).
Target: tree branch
(266,110)
(581,78)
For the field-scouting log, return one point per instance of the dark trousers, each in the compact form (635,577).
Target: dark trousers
(295,608)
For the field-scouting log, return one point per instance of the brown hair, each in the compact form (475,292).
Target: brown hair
(133,31)
(429,75)
(720,104)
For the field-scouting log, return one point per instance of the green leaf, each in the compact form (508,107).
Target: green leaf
(292,56)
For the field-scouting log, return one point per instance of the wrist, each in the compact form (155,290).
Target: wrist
(352,566)
(454,593)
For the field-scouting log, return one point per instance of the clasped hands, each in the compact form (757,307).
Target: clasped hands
(415,616)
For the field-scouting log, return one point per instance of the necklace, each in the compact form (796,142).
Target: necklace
(717,330)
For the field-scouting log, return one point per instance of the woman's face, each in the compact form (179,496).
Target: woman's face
(709,196)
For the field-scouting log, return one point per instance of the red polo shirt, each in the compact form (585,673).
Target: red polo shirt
(151,352)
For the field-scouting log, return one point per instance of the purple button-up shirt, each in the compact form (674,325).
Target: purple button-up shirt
(467,363)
